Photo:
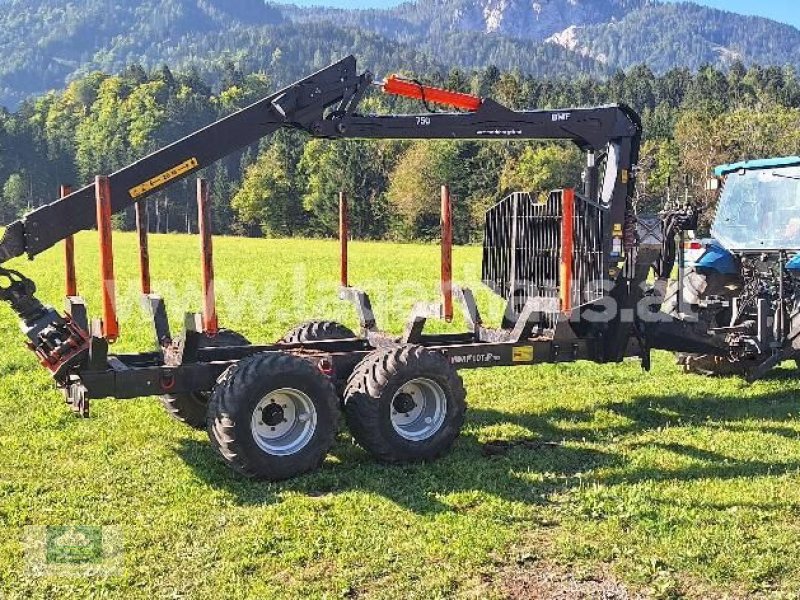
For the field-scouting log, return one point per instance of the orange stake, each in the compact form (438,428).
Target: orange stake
(69,255)
(447,254)
(344,232)
(210,321)
(567,249)
(144,248)
(103,196)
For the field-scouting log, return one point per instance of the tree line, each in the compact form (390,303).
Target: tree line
(288,184)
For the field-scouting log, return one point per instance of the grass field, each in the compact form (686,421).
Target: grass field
(662,484)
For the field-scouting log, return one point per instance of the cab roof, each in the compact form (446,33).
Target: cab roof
(752,165)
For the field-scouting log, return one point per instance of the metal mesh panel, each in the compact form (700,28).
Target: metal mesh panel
(588,265)
(522,249)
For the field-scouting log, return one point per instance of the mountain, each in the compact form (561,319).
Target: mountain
(46,43)
(613,33)
(665,35)
(523,19)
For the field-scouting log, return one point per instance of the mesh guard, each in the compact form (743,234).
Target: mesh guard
(523,250)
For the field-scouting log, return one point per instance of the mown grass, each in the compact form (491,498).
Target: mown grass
(684,485)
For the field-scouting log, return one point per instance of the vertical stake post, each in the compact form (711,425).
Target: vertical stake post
(71,279)
(144,248)
(103,197)
(567,248)
(344,233)
(210,321)
(447,254)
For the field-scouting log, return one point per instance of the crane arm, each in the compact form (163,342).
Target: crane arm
(305,105)
(323,105)
(298,105)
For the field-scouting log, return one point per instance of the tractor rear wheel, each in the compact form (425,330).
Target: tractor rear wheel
(273,416)
(317,331)
(693,292)
(405,404)
(191,408)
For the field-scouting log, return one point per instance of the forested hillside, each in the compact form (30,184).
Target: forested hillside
(45,44)
(288,184)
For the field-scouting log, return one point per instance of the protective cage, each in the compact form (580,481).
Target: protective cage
(531,250)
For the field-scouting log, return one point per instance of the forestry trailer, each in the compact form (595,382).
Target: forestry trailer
(571,265)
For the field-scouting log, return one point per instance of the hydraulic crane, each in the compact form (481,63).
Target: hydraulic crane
(592,240)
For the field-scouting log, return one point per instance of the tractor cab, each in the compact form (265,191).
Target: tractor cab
(759,206)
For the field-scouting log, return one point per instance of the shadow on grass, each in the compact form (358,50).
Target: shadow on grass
(529,474)
(418,487)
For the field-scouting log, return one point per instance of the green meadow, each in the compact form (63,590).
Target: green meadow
(667,484)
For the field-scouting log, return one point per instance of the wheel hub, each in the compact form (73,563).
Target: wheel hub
(404,403)
(284,422)
(273,415)
(419,409)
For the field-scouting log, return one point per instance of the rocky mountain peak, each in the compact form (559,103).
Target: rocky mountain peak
(531,19)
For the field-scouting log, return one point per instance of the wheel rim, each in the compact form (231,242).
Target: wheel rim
(284,422)
(418,409)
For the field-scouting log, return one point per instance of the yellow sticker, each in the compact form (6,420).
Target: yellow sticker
(617,228)
(624,175)
(164,178)
(522,354)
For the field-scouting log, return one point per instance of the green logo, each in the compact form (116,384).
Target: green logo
(73,550)
(74,545)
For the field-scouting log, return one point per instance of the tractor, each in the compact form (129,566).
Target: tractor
(744,290)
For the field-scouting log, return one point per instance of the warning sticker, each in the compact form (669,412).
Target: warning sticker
(159,180)
(522,354)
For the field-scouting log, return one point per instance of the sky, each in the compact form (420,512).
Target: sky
(779,10)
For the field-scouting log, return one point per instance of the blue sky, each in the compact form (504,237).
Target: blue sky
(780,10)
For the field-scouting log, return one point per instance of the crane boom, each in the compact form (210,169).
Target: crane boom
(322,105)
(298,105)
(304,105)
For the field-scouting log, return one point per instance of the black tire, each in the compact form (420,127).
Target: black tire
(191,408)
(236,398)
(694,290)
(373,389)
(695,287)
(317,331)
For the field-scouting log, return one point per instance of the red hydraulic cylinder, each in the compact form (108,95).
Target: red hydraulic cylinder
(103,197)
(210,321)
(144,248)
(447,254)
(397,86)
(71,279)
(567,249)
(344,232)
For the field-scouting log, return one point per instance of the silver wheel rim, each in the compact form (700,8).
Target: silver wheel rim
(418,409)
(284,422)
